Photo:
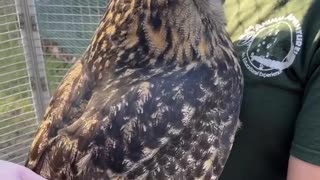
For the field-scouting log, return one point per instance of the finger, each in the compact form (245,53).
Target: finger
(27,174)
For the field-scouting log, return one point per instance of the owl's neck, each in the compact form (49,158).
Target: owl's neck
(151,33)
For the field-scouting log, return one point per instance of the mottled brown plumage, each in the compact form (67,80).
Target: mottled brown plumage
(155,96)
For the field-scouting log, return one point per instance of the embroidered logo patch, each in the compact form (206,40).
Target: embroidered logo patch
(272,46)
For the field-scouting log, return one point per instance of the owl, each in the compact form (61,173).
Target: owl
(156,95)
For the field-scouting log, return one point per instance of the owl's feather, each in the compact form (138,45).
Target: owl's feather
(156,96)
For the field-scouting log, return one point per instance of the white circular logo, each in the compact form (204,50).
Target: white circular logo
(272,46)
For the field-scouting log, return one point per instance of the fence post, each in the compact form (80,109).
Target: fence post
(34,55)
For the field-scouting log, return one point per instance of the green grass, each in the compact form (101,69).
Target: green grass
(55,69)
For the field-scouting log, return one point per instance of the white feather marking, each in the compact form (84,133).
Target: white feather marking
(190,159)
(152,61)
(113,110)
(100,76)
(174,131)
(207,94)
(179,95)
(106,119)
(110,84)
(162,108)
(164,140)
(127,162)
(225,124)
(157,71)
(128,72)
(177,68)
(99,60)
(131,56)
(169,73)
(191,66)
(103,128)
(187,112)
(144,127)
(83,163)
(93,68)
(212,150)
(208,164)
(128,129)
(149,153)
(144,95)
(212,138)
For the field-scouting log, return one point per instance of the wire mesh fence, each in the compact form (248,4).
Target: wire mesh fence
(18,120)
(66,27)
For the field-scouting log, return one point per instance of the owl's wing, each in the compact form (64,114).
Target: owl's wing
(158,126)
(71,90)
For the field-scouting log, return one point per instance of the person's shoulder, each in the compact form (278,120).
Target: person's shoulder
(311,19)
(311,31)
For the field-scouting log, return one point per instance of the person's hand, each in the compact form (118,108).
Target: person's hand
(11,171)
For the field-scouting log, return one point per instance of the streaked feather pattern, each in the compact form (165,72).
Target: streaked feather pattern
(156,96)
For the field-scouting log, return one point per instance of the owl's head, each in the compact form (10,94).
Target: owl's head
(172,30)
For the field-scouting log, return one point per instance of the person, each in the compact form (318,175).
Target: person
(278,43)
(11,171)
